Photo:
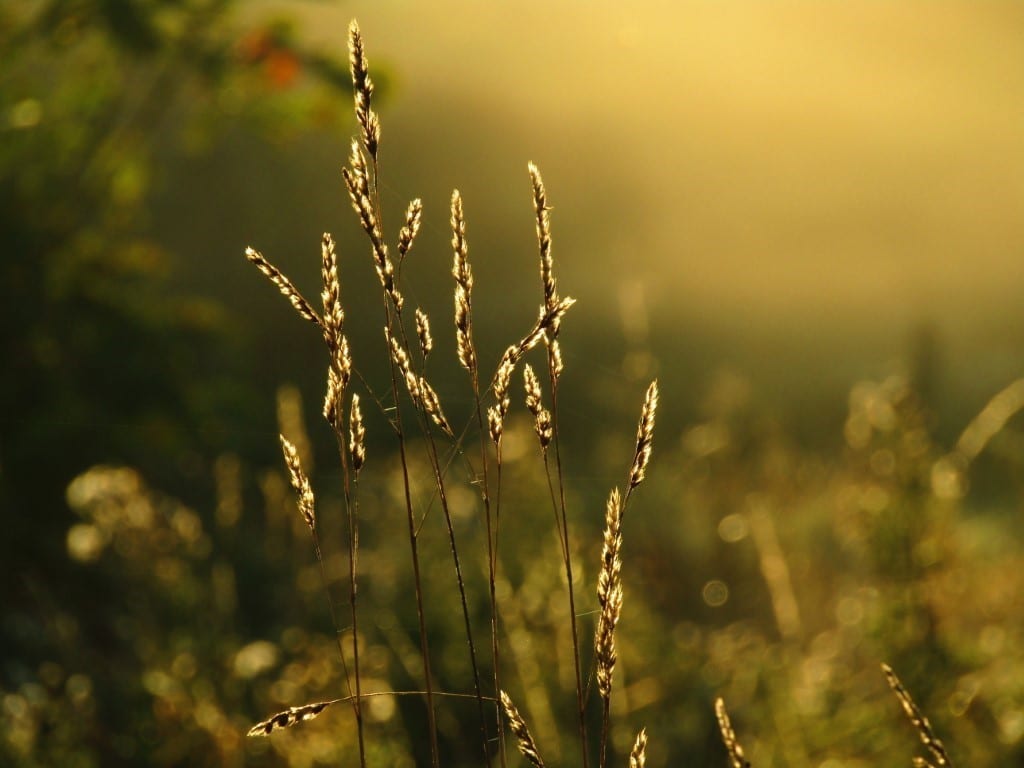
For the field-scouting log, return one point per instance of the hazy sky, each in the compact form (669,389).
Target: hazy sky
(855,163)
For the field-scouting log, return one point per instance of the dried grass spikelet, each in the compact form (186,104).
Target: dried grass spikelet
(555,358)
(547,275)
(288,718)
(463,287)
(609,595)
(732,746)
(284,285)
(332,398)
(362,89)
(343,361)
(306,502)
(644,436)
(511,357)
(638,755)
(431,404)
(518,726)
(330,293)
(410,229)
(541,208)
(357,435)
(532,387)
(401,359)
(423,332)
(502,380)
(546,319)
(919,721)
(339,373)
(357,181)
(422,394)
(542,423)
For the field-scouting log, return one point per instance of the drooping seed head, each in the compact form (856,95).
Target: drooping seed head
(299,481)
(518,727)
(288,718)
(431,405)
(401,360)
(285,286)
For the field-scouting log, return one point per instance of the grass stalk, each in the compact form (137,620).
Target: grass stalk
(468,358)
(554,359)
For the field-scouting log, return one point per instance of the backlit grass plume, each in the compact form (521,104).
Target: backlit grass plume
(736,757)
(920,722)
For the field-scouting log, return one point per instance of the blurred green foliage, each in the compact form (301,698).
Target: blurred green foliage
(163,595)
(103,361)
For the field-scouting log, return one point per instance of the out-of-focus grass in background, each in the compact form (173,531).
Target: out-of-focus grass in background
(804,217)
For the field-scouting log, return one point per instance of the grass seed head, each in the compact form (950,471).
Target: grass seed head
(609,594)
(644,436)
(357,435)
(919,721)
(410,229)
(518,726)
(638,755)
(284,285)
(362,90)
(423,332)
(732,746)
(288,718)
(299,481)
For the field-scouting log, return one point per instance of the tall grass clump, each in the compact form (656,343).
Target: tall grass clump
(794,642)
(457,449)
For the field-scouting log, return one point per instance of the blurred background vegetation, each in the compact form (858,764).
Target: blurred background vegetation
(803,218)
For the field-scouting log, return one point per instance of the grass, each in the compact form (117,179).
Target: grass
(409,404)
(461,449)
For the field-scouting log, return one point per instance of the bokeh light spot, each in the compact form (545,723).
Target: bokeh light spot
(715,593)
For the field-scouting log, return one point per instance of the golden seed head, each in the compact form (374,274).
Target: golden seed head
(288,718)
(919,721)
(362,89)
(518,727)
(732,746)
(495,424)
(532,386)
(284,285)
(431,405)
(333,396)
(357,435)
(644,436)
(540,206)
(638,755)
(555,358)
(330,293)
(609,594)
(410,229)
(299,481)
(423,332)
